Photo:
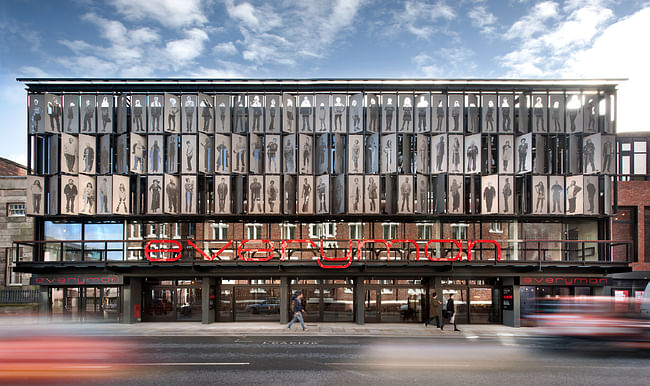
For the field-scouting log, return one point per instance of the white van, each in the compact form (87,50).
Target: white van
(645,302)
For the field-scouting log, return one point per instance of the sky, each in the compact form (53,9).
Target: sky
(322,39)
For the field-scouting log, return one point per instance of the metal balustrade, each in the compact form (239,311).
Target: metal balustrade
(359,251)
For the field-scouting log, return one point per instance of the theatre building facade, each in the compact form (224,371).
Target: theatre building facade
(215,200)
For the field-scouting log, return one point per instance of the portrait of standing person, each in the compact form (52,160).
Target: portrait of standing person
(155,111)
(36,113)
(222,195)
(206,113)
(36,191)
(389,112)
(172,109)
(171,194)
(138,113)
(255,205)
(106,108)
(88,114)
(70,192)
(154,196)
(55,112)
(189,112)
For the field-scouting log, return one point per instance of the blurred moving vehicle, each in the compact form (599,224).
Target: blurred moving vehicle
(598,322)
(269,306)
(645,302)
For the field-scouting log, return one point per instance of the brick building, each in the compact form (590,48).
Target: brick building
(14,224)
(214,200)
(631,222)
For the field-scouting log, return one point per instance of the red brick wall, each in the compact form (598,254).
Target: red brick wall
(636,194)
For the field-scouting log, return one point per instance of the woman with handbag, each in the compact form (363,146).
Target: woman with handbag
(450,314)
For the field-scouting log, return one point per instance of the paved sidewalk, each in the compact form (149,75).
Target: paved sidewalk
(259,329)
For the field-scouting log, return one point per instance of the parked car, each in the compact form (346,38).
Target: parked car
(268,306)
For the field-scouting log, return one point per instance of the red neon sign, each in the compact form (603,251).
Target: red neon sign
(267,247)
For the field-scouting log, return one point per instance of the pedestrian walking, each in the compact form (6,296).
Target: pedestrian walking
(434,309)
(298,310)
(450,314)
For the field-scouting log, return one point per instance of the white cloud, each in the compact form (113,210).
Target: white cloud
(183,51)
(170,13)
(547,34)
(617,53)
(534,21)
(13,145)
(283,33)
(420,18)
(226,48)
(483,19)
(445,62)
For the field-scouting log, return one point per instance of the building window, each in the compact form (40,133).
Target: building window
(325,230)
(640,157)
(356,231)
(219,231)
(254,231)
(134,231)
(390,230)
(459,231)
(495,227)
(288,231)
(425,231)
(177,230)
(16,210)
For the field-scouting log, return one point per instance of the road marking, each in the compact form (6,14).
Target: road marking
(400,364)
(191,364)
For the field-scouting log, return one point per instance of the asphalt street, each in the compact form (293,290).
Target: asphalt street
(310,360)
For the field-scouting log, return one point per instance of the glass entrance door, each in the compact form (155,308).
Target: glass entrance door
(159,304)
(460,301)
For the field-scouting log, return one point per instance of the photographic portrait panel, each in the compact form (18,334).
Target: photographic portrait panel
(355,113)
(138,113)
(322,194)
(405,195)
(273,113)
(489,113)
(490,194)
(86,195)
(206,114)
(172,194)
(371,197)
(87,154)
(104,194)
(121,196)
(222,113)
(272,189)
(155,154)
(188,113)
(405,113)
(172,113)
(306,113)
(256,113)
(69,154)
(289,113)
(155,194)
(540,195)
(222,195)
(54,113)
(69,195)
(188,196)
(70,113)
(35,202)
(37,113)
(222,154)
(305,194)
